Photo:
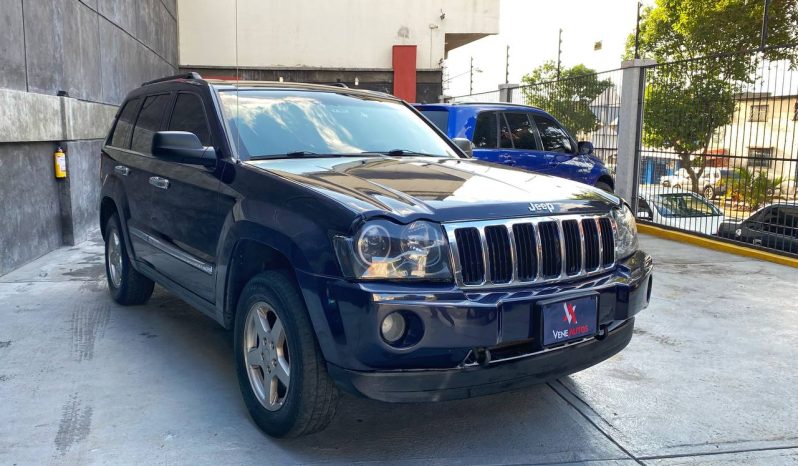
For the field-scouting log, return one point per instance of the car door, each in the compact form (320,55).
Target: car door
(186,219)
(486,137)
(136,163)
(560,150)
(779,228)
(519,143)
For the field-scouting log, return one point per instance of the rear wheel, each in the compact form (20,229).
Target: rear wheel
(127,286)
(281,371)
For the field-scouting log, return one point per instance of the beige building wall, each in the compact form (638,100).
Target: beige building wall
(348,34)
(764,123)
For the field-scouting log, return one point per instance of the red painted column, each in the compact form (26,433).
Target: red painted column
(404,72)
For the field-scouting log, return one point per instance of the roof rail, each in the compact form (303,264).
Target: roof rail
(192,75)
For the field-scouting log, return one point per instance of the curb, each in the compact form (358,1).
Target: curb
(716,245)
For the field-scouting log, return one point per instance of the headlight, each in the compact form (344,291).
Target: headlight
(625,232)
(385,250)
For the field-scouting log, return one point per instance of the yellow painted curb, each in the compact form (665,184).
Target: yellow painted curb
(717,245)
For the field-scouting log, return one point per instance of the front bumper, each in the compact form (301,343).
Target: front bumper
(467,382)
(458,324)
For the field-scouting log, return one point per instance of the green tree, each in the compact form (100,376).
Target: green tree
(687,101)
(568,98)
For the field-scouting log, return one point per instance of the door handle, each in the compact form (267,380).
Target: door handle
(159,182)
(122,170)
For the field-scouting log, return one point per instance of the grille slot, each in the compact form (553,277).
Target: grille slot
(592,249)
(526,251)
(469,247)
(501,264)
(551,252)
(530,251)
(573,247)
(607,242)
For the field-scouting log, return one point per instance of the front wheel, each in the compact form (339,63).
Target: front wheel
(281,371)
(709,192)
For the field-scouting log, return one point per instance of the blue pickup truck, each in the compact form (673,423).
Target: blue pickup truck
(520,136)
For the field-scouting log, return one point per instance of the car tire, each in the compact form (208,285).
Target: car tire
(273,333)
(604,187)
(127,286)
(677,186)
(709,192)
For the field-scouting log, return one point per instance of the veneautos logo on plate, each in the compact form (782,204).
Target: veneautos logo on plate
(568,320)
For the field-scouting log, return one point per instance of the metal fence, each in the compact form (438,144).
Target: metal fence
(719,147)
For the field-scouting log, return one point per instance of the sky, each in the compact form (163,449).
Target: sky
(530,28)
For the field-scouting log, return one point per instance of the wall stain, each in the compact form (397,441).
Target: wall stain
(75,424)
(5,344)
(88,324)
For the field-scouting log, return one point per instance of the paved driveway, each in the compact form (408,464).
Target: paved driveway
(710,377)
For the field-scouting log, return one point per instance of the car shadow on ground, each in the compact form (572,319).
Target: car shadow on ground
(536,419)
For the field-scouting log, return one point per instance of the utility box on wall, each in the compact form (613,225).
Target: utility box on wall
(404,72)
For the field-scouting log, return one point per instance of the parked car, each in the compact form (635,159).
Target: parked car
(710,182)
(521,136)
(681,209)
(774,226)
(349,245)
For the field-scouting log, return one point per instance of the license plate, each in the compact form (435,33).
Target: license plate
(569,319)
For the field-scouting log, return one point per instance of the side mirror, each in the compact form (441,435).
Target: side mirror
(182,147)
(465,145)
(585,148)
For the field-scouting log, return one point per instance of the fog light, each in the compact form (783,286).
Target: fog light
(393,327)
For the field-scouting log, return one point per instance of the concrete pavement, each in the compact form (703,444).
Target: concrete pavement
(709,378)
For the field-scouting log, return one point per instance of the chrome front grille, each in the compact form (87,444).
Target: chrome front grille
(530,250)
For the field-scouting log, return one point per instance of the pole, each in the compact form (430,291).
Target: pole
(764,36)
(559,53)
(637,31)
(507,66)
(471,77)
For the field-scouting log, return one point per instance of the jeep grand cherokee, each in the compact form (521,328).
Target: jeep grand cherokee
(350,245)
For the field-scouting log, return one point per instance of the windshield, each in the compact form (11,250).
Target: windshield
(273,123)
(684,205)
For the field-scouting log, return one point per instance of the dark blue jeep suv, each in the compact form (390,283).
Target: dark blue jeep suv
(520,136)
(348,244)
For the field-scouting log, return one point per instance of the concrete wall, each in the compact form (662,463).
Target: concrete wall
(95,51)
(327,34)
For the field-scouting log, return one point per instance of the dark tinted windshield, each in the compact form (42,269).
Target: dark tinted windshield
(266,123)
(439,118)
(684,205)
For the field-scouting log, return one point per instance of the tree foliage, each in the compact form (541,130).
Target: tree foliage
(687,101)
(568,98)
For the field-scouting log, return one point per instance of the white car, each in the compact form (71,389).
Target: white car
(709,181)
(680,209)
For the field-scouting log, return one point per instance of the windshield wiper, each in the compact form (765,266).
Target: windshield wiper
(297,155)
(402,152)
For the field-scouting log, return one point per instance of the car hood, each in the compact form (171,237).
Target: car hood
(439,189)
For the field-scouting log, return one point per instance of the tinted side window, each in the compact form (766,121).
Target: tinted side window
(553,137)
(485,133)
(521,131)
(189,115)
(121,136)
(505,138)
(439,118)
(148,122)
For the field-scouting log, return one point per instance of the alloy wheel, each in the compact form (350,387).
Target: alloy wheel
(266,356)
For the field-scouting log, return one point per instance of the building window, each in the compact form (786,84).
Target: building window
(759,113)
(795,112)
(760,156)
